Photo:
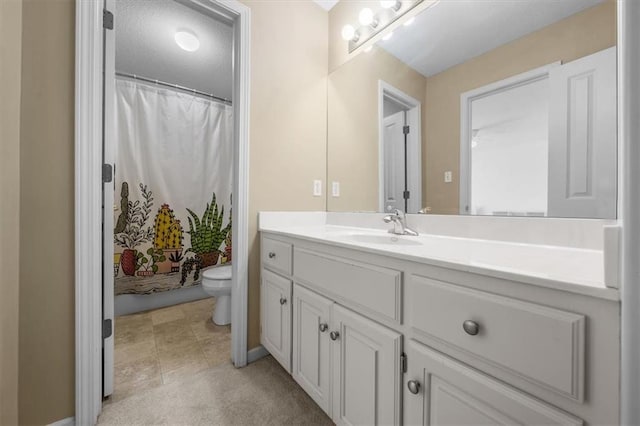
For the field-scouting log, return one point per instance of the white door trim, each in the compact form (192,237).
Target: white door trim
(414,120)
(629,204)
(88,196)
(466,99)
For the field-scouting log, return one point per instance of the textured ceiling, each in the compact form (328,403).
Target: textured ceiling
(145,45)
(454,31)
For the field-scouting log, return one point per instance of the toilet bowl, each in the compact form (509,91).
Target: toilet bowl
(216,282)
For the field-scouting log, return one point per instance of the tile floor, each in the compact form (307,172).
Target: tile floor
(159,347)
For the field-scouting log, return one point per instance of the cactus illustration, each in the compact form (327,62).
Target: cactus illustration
(168,231)
(121,223)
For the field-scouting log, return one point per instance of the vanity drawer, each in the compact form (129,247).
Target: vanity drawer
(276,255)
(539,344)
(362,286)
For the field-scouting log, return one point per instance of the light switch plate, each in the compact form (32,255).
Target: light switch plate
(448,176)
(335,189)
(317,188)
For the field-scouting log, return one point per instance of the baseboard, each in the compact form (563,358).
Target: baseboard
(69,421)
(256,353)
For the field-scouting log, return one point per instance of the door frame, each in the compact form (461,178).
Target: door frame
(88,195)
(414,120)
(466,99)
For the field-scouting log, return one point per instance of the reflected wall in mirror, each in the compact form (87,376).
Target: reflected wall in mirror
(480,107)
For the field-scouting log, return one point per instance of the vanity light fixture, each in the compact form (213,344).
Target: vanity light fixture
(349,33)
(391,4)
(367,17)
(371,21)
(187,40)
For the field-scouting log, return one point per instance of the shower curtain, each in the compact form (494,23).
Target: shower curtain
(173,187)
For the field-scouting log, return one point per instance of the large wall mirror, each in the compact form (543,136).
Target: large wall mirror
(485,107)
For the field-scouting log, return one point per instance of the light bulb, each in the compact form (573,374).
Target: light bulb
(391,4)
(388,36)
(366,16)
(348,32)
(409,21)
(187,41)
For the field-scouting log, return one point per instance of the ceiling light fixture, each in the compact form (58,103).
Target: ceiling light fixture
(187,40)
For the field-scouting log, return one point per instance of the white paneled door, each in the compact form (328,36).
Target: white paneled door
(583,137)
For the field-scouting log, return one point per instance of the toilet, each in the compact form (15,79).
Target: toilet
(216,282)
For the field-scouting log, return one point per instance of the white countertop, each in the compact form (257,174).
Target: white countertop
(576,270)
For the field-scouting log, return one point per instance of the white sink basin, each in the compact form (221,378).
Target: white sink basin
(390,239)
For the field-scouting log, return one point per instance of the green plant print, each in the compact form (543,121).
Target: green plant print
(207,233)
(134,232)
(149,262)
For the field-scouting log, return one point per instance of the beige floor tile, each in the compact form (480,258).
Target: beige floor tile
(176,357)
(217,350)
(205,329)
(173,334)
(133,333)
(185,370)
(172,313)
(138,371)
(133,319)
(128,352)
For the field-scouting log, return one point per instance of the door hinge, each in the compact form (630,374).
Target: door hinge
(405,130)
(406,194)
(107,328)
(107,19)
(107,173)
(403,362)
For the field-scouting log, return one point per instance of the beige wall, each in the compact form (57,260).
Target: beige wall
(46,370)
(582,34)
(352,140)
(288,119)
(10,67)
(288,151)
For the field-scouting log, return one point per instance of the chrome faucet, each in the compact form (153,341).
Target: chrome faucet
(399,220)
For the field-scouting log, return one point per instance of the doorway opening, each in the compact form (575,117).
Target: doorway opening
(399,150)
(160,157)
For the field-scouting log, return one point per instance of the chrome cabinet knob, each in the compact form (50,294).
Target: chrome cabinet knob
(471,327)
(283,300)
(271,255)
(414,386)
(334,335)
(323,327)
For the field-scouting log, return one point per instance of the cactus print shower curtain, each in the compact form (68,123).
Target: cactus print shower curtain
(174,169)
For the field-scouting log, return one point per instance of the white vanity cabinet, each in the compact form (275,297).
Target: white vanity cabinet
(378,339)
(347,363)
(442,391)
(275,336)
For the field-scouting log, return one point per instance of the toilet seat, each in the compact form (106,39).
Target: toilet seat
(218,273)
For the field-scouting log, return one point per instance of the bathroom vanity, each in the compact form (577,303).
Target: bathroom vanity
(384,329)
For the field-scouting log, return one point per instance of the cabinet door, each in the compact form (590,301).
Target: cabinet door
(366,370)
(311,319)
(441,391)
(275,336)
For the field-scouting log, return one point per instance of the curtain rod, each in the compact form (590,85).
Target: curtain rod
(173,86)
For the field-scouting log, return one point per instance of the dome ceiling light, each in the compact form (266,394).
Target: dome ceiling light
(187,40)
